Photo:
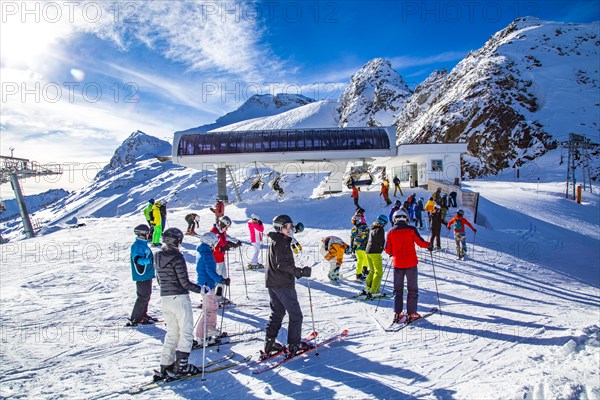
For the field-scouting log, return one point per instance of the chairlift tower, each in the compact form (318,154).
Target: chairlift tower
(577,146)
(11,170)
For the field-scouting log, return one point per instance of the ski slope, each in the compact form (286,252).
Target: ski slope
(520,317)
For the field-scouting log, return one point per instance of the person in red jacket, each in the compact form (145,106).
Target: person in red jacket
(225,243)
(459,223)
(355,195)
(218,210)
(400,245)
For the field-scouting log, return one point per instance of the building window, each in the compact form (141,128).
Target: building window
(437,165)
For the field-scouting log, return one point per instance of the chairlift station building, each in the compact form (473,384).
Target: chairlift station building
(312,150)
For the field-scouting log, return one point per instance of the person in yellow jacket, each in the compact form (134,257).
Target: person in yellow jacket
(333,249)
(429,206)
(156,223)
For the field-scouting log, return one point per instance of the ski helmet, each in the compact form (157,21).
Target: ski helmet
(280,220)
(254,216)
(460,212)
(141,230)
(210,239)
(172,237)
(400,215)
(151,201)
(299,227)
(382,219)
(356,219)
(224,222)
(397,203)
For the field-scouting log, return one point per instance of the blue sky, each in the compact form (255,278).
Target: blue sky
(79,77)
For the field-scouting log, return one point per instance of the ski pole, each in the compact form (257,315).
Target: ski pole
(244,272)
(222,315)
(204,342)
(436,285)
(312,315)
(385,282)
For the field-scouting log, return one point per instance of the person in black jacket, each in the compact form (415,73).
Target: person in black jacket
(281,273)
(375,246)
(175,287)
(436,227)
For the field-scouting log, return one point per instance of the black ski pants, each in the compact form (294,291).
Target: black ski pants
(411,275)
(140,308)
(435,234)
(285,300)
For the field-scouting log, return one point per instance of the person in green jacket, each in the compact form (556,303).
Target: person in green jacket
(157,223)
(148,216)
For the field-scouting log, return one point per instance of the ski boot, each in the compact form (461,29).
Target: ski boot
(182,365)
(165,372)
(271,348)
(297,348)
(399,318)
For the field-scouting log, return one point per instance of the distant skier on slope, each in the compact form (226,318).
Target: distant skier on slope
(400,245)
(458,223)
(193,221)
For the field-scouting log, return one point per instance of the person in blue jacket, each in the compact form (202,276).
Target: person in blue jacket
(142,273)
(207,277)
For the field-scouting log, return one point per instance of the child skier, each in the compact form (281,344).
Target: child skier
(396,207)
(175,287)
(225,243)
(436,228)
(375,246)
(280,277)
(359,237)
(400,245)
(256,228)
(333,248)
(206,269)
(142,273)
(459,223)
(193,221)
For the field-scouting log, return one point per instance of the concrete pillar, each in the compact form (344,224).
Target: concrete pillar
(27,227)
(222,184)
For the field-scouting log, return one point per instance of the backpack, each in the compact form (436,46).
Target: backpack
(458,225)
(163,210)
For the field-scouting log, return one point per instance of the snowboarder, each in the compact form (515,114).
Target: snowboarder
(218,210)
(333,249)
(436,228)
(358,242)
(400,246)
(157,224)
(397,186)
(175,287)
(207,277)
(225,243)
(142,273)
(459,222)
(193,221)
(256,228)
(375,246)
(355,191)
(280,276)
(385,189)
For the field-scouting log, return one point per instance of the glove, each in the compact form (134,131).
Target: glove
(295,249)
(298,273)
(306,271)
(475,230)
(430,247)
(348,250)
(227,247)
(259,222)
(226,281)
(238,244)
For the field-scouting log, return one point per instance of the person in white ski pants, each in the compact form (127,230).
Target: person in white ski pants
(177,312)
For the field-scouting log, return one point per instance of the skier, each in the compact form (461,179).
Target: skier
(148,216)
(225,243)
(358,241)
(163,214)
(400,246)
(459,223)
(280,273)
(385,189)
(360,212)
(193,221)
(256,228)
(175,287)
(142,273)
(375,246)
(444,204)
(218,210)
(429,208)
(333,248)
(437,196)
(436,228)
(418,213)
(397,186)
(355,191)
(207,277)
(396,207)
(157,224)
(452,199)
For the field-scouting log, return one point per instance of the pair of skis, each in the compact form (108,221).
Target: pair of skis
(398,326)
(225,338)
(363,296)
(282,357)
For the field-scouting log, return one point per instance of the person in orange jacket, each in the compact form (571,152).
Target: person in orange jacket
(385,190)
(400,245)
(333,249)
(355,195)
(459,222)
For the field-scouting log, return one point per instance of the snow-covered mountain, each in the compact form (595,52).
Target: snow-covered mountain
(259,105)
(375,94)
(34,203)
(138,146)
(528,87)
